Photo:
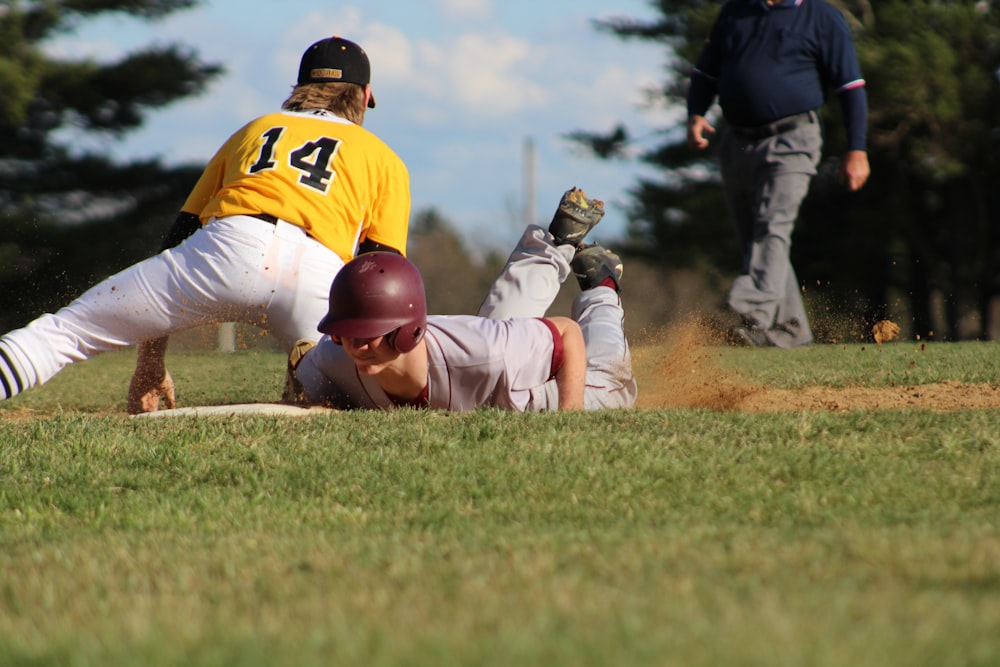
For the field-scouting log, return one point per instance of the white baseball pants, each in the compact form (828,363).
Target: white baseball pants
(235,269)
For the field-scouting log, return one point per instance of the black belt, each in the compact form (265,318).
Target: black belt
(272,220)
(777,127)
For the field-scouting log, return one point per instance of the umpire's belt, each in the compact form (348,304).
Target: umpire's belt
(786,124)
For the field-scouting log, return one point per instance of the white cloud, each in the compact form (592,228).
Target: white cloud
(471,75)
(459,83)
(492,74)
(465,9)
(391,53)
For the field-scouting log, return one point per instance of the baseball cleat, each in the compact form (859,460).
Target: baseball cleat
(593,265)
(575,216)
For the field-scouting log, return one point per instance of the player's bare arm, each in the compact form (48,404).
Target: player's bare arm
(151,381)
(571,377)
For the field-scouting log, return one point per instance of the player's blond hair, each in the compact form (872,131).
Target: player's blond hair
(347,100)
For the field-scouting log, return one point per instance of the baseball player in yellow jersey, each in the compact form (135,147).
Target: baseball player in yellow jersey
(283,204)
(329,176)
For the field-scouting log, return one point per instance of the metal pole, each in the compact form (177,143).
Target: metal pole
(529,181)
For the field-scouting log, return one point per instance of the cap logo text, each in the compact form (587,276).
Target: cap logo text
(326,73)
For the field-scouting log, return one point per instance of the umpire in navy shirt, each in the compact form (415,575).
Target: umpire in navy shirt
(771,62)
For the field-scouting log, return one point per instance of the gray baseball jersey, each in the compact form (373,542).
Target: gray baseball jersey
(505,357)
(472,361)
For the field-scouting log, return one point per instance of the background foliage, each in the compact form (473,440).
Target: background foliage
(920,244)
(69,217)
(921,241)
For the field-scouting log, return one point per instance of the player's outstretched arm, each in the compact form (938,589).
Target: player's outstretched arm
(571,378)
(151,381)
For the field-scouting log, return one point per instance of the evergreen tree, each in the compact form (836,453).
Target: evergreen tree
(71,217)
(679,217)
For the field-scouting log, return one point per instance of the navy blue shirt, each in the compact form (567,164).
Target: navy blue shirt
(767,62)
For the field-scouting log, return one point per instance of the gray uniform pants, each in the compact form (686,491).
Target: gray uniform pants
(527,286)
(765,182)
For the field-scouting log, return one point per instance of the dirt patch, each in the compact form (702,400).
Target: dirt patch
(948,395)
(681,370)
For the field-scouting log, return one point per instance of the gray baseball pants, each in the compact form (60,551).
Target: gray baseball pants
(765,182)
(527,286)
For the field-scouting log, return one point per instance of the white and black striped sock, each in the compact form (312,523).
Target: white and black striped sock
(11,382)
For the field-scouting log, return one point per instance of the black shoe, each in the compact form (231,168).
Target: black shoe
(593,264)
(575,216)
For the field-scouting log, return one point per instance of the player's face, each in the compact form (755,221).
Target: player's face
(370,355)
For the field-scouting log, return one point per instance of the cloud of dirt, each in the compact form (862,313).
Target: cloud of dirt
(678,367)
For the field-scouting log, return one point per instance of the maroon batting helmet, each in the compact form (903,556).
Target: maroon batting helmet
(378,294)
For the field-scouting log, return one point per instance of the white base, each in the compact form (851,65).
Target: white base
(239,409)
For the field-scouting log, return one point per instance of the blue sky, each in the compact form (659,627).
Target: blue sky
(462,87)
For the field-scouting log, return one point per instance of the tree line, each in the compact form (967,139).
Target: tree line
(71,217)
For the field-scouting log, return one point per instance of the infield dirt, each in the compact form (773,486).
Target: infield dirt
(681,370)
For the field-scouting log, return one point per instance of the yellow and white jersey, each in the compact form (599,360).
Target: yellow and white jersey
(333,178)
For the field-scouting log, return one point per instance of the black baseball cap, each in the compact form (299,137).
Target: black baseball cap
(336,59)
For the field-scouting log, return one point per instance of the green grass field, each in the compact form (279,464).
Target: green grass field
(672,536)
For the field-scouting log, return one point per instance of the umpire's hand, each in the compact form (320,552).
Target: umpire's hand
(697,128)
(854,170)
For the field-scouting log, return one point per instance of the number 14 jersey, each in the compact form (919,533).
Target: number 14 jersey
(333,178)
